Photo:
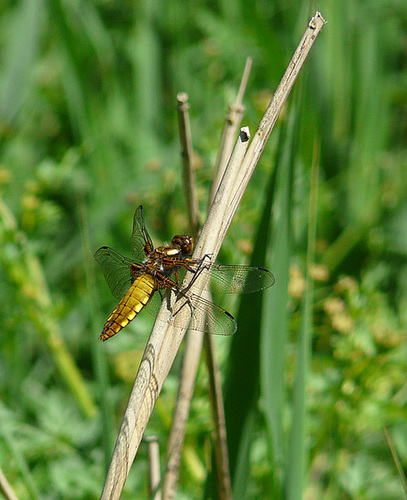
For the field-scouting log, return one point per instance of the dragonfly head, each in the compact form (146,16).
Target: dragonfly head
(184,242)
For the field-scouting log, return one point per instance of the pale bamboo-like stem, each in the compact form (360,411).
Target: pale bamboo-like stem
(160,352)
(218,416)
(265,127)
(192,356)
(154,467)
(193,346)
(215,387)
(190,363)
(188,173)
(165,338)
(232,123)
(279,98)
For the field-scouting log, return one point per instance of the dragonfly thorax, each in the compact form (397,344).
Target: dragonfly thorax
(163,260)
(169,259)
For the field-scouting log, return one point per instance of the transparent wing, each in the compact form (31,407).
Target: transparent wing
(116,269)
(233,279)
(141,242)
(240,279)
(200,314)
(197,313)
(209,318)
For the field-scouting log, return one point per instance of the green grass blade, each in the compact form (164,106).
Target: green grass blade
(71,67)
(98,357)
(275,333)
(296,458)
(20,56)
(242,381)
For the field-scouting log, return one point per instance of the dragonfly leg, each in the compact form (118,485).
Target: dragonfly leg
(196,272)
(207,256)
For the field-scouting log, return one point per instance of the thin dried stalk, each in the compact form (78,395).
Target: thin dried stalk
(190,364)
(279,98)
(262,134)
(165,339)
(218,415)
(188,173)
(194,342)
(232,124)
(187,382)
(193,346)
(154,467)
(158,357)
(233,121)
(191,360)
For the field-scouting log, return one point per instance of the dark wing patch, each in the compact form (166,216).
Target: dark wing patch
(116,269)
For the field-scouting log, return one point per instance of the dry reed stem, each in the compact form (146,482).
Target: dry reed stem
(193,347)
(160,353)
(153,449)
(190,362)
(280,96)
(188,173)
(165,339)
(218,416)
(232,124)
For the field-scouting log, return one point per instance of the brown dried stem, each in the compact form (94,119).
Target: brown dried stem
(232,124)
(154,467)
(188,173)
(193,347)
(190,368)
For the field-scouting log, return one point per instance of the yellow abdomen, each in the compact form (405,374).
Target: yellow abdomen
(131,304)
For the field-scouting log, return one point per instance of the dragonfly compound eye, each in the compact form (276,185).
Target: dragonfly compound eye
(184,242)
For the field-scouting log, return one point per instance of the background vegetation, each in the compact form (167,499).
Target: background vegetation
(88,131)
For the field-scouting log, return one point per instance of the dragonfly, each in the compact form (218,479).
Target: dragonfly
(154,275)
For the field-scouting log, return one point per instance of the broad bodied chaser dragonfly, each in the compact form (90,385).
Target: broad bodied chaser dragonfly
(158,269)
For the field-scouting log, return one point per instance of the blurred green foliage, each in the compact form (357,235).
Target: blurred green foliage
(88,132)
